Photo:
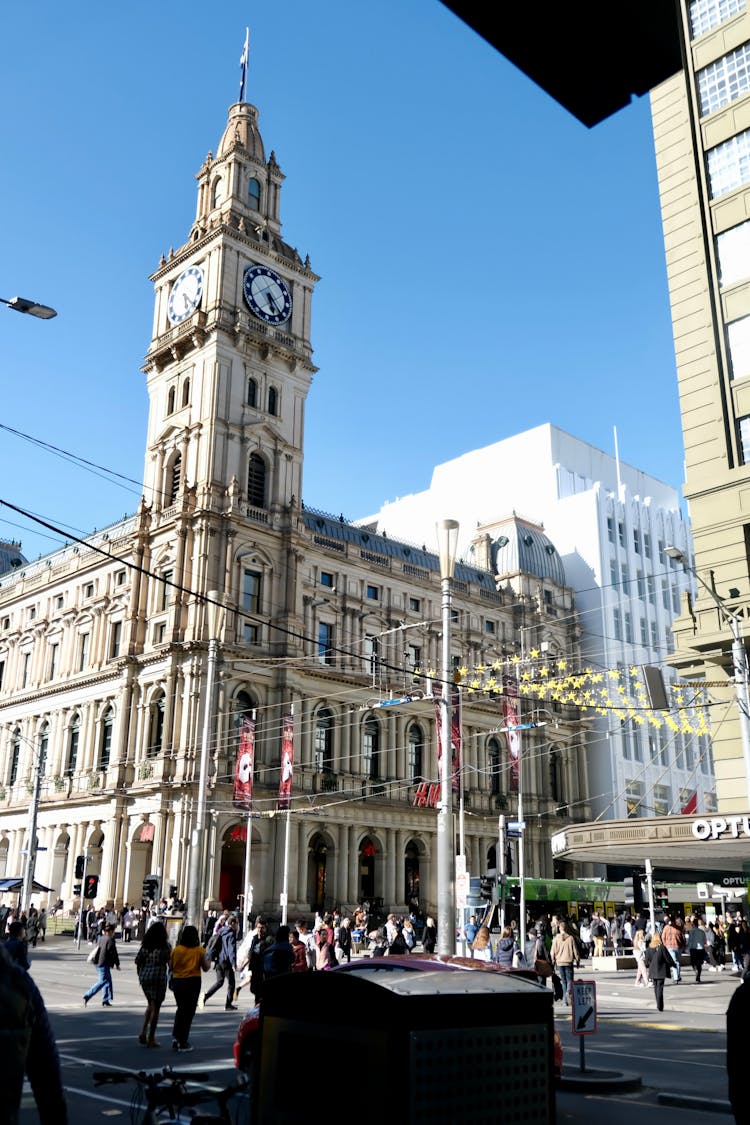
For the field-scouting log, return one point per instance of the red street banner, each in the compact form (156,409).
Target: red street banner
(287,762)
(243,774)
(455,731)
(511,718)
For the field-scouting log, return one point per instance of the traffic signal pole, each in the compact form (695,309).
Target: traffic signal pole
(650,889)
(81,898)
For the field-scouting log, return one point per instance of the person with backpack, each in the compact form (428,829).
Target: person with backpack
(225,964)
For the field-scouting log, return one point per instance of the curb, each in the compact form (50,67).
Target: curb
(591,1081)
(693,1101)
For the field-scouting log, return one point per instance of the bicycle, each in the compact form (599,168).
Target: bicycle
(168,1101)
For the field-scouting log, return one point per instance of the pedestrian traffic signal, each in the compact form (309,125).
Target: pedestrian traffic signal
(629,890)
(91,886)
(149,889)
(76,888)
(486,883)
(80,866)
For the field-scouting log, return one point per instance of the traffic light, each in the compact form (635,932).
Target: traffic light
(91,886)
(149,889)
(661,894)
(76,888)
(629,890)
(80,866)
(486,883)
(515,894)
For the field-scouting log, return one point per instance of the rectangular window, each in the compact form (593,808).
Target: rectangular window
(165,592)
(249,633)
(634,798)
(641,585)
(666,600)
(413,657)
(120,578)
(625,577)
(679,752)
(662,800)
(743,429)
(2,673)
(373,593)
(675,600)
(628,628)
(654,628)
(710,804)
(644,632)
(325,642)
(724,80)
(160,632)
(610,529)
(326,579)
(115,638)
(621,534)
(372,651)
(618,624)
(707,14)
(25,669)
(60,602)
(637,748)
(626,744)
(489,627)
(54,651)
(88,590)
(454,616)
(738,341)
(729,164)
(415,605)
(664,748)
(614,575)
(251,591)
(689,754)
(6,623)
(637,541)
(647,544)
(83,650)
(733,253)
(32,613)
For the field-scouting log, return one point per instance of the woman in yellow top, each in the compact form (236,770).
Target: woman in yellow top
(187,960)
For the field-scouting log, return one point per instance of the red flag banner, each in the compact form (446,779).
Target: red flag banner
(243,773)
(455,732)
(287,762)
(511,718)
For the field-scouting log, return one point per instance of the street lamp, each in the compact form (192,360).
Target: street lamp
(739,658)
(197,867)
(22,305)
(447,536)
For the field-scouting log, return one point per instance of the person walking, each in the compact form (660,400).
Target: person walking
(106,959)
(152,962)
(639,952)
(674,942)
(659,964)
(471,929)
(188,960)
(563,955)
(696,947)
(226,966)
(42,924)
(344,941)
(429,936)
(506,948)
(481,950)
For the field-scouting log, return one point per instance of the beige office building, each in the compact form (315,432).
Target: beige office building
(701,120)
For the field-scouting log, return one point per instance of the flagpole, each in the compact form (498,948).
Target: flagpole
(285,884)
(244,57)
(284,898)
(248,850)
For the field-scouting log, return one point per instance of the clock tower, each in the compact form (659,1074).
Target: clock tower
(230,361)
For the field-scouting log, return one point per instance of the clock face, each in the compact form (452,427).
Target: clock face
(185,295)
(267,294)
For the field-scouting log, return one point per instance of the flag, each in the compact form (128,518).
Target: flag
(287,762)
(691,805)
(455,732)
(244,57)
(511,718)
(243,774)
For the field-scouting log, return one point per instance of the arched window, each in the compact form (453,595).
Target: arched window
(252,392)
(244,706)
(218,192)
(495,765)
(273,401)
(371,748)
(324,741)
(105,738)
(555,788)
(15,756)
(170,401)
(74,732)
(256,481)
(155,726)
(186,393)
(415,752)
(175,478)
(253,193)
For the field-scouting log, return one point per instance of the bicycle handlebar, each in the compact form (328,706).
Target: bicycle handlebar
(148,1078)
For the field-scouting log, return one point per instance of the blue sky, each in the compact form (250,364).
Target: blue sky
(487,263)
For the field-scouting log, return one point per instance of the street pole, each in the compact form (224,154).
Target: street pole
(501,846)
(28,875)
(197,865)
(447,533)
(650,888)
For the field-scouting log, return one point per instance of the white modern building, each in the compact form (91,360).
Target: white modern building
(610,524)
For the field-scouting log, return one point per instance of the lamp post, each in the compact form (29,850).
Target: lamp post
(197,866)
(22,305)
(739,658)
(447,536)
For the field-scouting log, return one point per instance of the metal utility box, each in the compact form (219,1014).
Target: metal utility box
(444,1047)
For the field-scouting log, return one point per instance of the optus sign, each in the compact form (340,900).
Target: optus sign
(718,826)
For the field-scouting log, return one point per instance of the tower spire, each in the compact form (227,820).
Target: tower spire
(243,64)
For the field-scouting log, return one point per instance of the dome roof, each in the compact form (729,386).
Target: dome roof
(10,557)
(242,129)
(521,547)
